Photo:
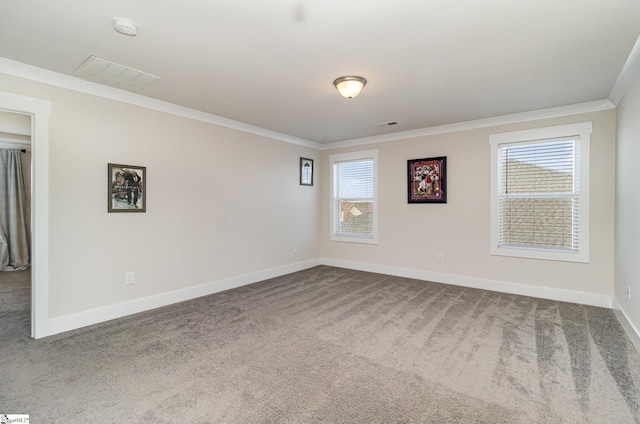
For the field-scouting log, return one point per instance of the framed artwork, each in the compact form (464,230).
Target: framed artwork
(427,180)
(306,171)
(127,188)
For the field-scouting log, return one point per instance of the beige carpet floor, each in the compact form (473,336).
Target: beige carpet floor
(326,345)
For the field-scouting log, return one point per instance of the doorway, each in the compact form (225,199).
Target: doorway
(39,111)
(15,219)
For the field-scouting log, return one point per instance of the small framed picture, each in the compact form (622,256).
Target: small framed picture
(427,180)
(306,171)
(126,188)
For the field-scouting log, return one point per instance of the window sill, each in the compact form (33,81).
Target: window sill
(549,255)
(361,240)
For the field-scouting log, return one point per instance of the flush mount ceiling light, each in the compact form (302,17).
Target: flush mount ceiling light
(125,26)
(350,86)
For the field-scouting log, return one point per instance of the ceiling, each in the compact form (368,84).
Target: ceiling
(271,64)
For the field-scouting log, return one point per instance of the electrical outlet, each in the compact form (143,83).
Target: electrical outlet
(129,278)
(296,249)
(629,292)
(440,257)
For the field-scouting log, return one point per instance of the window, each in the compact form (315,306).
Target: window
(353,197)
(540,193)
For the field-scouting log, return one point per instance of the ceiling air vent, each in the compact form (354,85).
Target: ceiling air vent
(387,124)
(109,73)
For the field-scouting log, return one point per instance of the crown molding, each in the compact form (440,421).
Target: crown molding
(33,73)
(629,71)
(514,118)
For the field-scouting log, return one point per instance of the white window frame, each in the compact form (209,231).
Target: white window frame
(582,132)
(345,157)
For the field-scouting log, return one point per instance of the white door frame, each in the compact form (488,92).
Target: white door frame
(40,110)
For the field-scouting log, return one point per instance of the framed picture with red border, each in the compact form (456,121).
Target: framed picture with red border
(427,180)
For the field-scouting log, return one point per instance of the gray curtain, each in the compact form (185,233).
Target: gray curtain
(14,213)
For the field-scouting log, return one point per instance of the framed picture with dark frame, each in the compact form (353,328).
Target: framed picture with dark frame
(306,171)
(427,180)
(126,188)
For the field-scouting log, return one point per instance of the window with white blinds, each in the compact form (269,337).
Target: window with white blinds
(538,198)
(539,195)
(353,197)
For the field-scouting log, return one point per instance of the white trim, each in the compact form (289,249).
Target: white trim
(106,313)
(583,298)
(24,105)
(9,143)
(39,111)
(629,71)
(352,156)
(34,73)
(40,225)
(542,133)
(15,141)
(583,131)
(632,331)
(535,115)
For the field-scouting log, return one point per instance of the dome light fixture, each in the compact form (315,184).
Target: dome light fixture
(350,86)
(125,26)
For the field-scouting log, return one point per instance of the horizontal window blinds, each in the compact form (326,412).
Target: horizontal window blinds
(538,197)
(352,204)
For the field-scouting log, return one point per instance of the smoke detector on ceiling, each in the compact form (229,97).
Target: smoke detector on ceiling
(125,26)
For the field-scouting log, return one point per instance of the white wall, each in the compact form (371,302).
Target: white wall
(16,125)
(411,235)
(221,203)
(627,265)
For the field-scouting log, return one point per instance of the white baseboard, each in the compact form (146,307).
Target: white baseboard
(631,330)
(95,316)
(583,298)
(98,315)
